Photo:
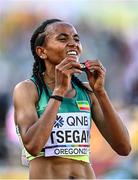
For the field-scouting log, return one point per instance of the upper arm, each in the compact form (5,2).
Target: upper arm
(24,98)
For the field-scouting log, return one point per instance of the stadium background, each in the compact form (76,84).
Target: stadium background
(109,31)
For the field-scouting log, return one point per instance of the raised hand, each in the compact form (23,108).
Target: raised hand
(95,74)
(64,71)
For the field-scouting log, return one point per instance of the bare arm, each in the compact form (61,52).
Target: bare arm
(110,124)
(104,114)
(35,132)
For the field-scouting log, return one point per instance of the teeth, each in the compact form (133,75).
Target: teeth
(72,53)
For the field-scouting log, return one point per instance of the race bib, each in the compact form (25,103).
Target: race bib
(70,135)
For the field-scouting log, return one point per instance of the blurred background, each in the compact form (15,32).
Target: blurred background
(108,30)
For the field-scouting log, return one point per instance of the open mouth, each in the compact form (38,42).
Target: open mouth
(72,53)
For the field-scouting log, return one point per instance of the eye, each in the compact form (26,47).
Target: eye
(77,39)
(62,39)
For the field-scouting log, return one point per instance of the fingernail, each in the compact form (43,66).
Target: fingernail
(87,64)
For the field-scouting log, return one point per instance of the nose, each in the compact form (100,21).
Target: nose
(72,43)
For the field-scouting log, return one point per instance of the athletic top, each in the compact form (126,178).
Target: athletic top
(71,131)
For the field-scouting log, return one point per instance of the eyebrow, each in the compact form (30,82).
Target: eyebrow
(64,34)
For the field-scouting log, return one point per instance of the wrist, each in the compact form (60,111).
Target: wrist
(58,92)
(56,97)
(100,93)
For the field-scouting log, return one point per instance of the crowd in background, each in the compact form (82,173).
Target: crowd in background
(117,49)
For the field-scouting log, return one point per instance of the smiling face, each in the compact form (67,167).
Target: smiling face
(61,40)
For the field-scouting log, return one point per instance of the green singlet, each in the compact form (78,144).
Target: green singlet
(70,136)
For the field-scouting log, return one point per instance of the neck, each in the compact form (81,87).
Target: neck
(49,75)
(50,82)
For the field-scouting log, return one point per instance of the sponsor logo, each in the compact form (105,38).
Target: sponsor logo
(59,122)
(70,135)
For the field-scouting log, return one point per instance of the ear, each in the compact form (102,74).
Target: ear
(41,52)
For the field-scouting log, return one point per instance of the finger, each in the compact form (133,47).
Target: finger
(99,66)
(97,63)
(72,71)
(67,60)
(71,65)
(94,62)
(97,69)
(102,67)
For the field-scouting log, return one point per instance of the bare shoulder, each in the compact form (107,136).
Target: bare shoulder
(25,89)
(24,99)
(24,85)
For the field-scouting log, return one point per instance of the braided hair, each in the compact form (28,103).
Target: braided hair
(38,39)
